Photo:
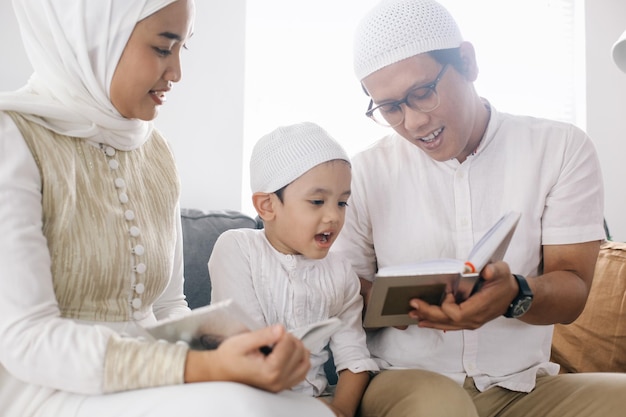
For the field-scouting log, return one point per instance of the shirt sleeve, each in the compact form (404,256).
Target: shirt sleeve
(37,345)
(231,273)
(172,302)
(580,185)
(348,345)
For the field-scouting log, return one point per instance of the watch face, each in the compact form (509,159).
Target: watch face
(522,306)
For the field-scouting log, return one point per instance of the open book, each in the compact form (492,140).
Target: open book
(206,327)
(430,280)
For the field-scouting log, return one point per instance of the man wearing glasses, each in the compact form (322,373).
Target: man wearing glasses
(451,166)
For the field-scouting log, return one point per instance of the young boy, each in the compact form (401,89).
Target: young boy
(300,179)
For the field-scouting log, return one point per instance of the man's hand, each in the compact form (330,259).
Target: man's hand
(494,297)
(559,294)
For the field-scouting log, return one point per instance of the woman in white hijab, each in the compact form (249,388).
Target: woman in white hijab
(91,246)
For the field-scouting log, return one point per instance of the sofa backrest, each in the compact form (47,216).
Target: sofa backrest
(200,231)
(596,340)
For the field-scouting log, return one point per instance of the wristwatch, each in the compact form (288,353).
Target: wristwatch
(520,304)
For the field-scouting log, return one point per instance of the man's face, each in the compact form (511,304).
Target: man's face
(450,131)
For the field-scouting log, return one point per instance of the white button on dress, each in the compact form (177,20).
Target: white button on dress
(113,164)
(137,249)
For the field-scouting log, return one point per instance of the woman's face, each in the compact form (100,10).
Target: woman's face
(150,62)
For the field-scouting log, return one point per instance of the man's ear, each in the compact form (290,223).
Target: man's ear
(468,57)
(264,205)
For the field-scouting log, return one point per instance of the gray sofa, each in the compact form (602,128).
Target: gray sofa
(200,231)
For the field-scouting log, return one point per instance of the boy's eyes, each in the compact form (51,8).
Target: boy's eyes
(321,202)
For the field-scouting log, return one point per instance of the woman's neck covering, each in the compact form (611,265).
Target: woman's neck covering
(74,47)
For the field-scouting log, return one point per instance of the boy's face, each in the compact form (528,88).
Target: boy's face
(313,211)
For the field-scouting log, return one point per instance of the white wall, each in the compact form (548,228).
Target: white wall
(606,105)
(203,118)
(18,69)
(204,115)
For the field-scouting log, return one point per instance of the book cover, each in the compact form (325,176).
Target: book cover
(431,280)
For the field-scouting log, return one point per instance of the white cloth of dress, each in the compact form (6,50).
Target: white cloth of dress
(294,291)
(407,207)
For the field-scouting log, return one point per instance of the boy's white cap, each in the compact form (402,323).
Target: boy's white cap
(398,29)
(619,52)
(284,154)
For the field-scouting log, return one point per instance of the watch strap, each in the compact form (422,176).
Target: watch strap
(521,303)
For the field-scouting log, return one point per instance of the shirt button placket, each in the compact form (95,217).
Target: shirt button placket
(138,268)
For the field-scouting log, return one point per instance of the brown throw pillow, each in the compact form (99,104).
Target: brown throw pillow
(596,341)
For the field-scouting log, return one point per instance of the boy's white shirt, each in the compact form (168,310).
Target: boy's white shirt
(294,291)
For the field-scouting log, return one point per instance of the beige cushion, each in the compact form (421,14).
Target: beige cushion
(596,341)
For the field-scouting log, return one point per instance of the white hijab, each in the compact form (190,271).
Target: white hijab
(74,47)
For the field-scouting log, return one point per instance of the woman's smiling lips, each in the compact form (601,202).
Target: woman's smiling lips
(159,96)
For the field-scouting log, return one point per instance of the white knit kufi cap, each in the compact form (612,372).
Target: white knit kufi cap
(398,29)
(619,52)
(283,155)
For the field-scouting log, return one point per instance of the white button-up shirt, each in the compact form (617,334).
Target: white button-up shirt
(407,207)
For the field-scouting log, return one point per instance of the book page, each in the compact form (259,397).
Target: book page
(428,266)
(493,245)
(206,327)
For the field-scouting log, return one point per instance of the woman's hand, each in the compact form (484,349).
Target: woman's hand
(239,359)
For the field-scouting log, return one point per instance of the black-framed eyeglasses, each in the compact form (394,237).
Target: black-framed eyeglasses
(423,98)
